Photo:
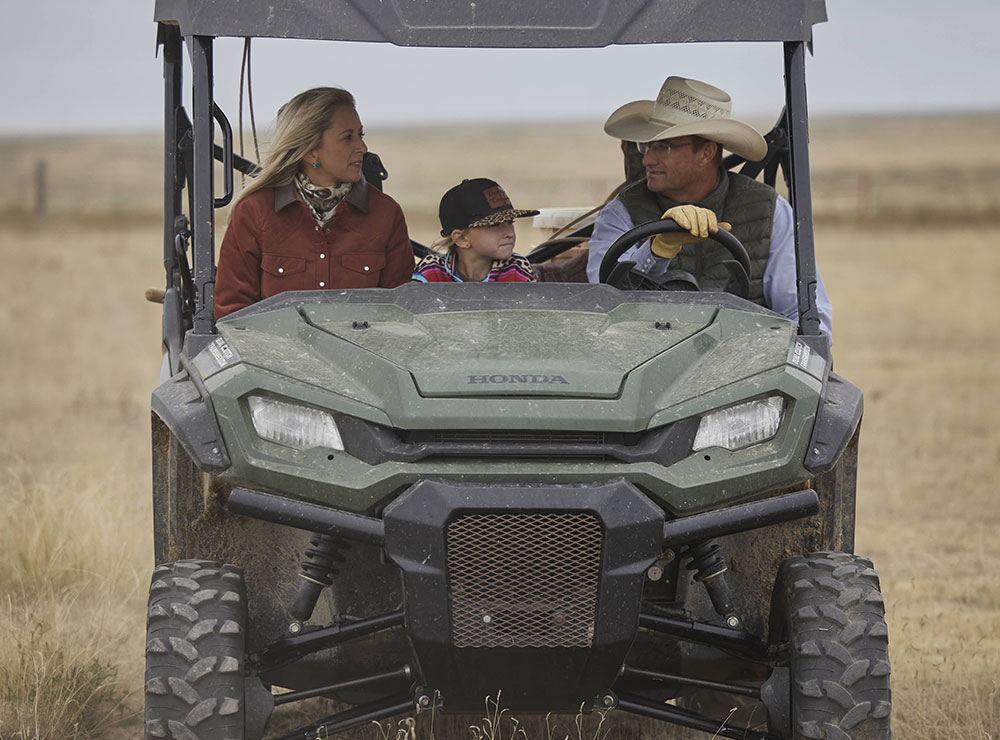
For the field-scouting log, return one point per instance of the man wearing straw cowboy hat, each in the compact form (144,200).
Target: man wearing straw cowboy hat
(681,136)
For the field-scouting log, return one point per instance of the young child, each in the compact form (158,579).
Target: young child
(477,223)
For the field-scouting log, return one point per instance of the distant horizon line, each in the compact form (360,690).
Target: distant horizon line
(138,130)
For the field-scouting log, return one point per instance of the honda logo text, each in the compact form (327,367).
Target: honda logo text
(483,379)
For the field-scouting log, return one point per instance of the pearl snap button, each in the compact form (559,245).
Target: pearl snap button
(322,256)
(321,284)
(281,269)
(367,268)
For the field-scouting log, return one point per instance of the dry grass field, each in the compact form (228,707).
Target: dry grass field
(906,218)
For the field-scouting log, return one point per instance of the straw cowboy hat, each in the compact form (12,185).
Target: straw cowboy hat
(687,108)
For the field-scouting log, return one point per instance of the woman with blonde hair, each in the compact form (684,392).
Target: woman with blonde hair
(310,221)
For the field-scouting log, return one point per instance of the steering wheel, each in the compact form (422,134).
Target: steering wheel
(738,267)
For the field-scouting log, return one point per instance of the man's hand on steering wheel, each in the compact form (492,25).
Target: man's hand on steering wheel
(700,223)
(738,267)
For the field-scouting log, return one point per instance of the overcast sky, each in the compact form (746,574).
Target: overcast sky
(90,67)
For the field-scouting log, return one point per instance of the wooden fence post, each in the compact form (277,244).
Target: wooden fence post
(41,192)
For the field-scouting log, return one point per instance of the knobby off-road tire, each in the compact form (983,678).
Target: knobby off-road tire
(195,632)
(828,606)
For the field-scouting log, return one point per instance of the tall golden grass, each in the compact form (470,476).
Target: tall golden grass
(74,480)
(914,303)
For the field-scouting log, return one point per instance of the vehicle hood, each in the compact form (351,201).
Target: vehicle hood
(525,352)
(397,356)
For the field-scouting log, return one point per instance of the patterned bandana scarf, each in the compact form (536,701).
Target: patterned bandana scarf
(321,201)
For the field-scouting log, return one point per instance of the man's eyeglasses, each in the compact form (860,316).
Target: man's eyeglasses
(662,147)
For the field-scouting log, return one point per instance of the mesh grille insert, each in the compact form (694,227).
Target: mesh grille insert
(524,580)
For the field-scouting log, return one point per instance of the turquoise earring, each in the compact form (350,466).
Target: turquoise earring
(316,165)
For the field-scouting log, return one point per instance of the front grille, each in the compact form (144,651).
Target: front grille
(505,436)
(524,580)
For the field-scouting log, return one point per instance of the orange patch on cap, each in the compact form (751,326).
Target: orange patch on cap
(496,197)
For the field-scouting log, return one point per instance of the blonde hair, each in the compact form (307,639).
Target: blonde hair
(299,129)
(443,245)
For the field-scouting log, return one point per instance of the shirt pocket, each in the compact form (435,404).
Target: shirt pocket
(362,269)
(280,273)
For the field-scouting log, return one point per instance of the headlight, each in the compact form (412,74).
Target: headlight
(740,426)
(292,425)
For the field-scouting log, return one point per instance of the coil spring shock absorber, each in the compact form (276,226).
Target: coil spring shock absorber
(709,567)
(317,572)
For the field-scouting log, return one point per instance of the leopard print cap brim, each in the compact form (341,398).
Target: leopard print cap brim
(502,217)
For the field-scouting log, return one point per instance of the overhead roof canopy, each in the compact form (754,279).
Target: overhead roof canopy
(499,23)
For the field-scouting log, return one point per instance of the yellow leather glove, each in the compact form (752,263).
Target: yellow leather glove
(700,223)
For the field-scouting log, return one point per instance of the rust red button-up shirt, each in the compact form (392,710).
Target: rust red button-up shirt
(274,244)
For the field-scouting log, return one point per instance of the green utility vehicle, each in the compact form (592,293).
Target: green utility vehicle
(575,496)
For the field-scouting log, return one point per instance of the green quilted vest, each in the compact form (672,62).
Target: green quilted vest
(746,204)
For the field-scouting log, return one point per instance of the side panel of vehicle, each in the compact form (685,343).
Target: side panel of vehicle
(191,521)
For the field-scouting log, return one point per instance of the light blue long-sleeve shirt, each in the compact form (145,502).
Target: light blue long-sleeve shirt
(779,274)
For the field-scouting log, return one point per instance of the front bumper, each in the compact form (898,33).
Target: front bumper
(531,591)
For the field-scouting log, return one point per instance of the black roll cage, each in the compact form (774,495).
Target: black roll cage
(190,149)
